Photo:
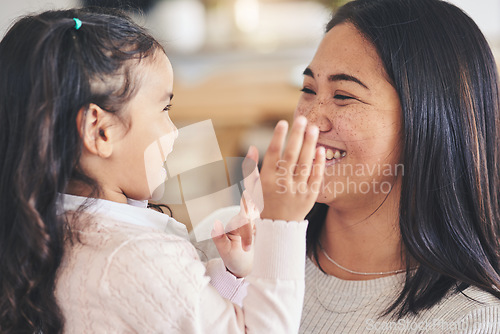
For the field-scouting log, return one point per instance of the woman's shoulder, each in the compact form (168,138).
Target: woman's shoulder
(471,310)
(470,299)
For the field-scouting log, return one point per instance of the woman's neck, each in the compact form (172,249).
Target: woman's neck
(363,240)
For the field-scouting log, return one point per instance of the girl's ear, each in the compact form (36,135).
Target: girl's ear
(95,127)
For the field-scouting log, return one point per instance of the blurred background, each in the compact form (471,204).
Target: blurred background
(238,63)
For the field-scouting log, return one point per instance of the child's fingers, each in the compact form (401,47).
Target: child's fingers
(318,169)
(253,154)
(251,208)
(220,238)
(308,152)
(273,154)
(251,177)
(246,234)
(218,230)
(294,145)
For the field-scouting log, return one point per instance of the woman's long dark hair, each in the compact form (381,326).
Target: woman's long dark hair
(444,72)
(48,72)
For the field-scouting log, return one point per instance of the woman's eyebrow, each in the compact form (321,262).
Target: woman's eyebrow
(337,77)
(308,72)
(346,77)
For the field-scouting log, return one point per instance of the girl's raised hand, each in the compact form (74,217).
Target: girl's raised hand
(290,180)
(291,176)
(234,242)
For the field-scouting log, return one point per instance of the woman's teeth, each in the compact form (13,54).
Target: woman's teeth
(334,154)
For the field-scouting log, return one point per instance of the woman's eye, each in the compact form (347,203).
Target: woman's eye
(342,97)
(308,91)
(167,108)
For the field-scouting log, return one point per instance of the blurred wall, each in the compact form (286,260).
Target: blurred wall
(486,13)
(11,9)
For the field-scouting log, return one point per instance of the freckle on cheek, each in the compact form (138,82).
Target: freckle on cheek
(300,111)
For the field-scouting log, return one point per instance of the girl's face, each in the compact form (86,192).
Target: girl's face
(346,93)
(149,135)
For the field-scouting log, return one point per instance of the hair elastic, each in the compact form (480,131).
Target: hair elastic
(78,23)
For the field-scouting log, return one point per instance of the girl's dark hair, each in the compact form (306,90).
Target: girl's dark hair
(49,71)
(444,72)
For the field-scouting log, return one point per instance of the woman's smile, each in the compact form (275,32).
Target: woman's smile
(333,154)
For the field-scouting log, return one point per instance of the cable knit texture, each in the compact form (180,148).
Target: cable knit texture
(120,277)
(332,305)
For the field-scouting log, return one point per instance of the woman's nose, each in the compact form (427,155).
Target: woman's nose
(318,115)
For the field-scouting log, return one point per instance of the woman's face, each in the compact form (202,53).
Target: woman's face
(347,94)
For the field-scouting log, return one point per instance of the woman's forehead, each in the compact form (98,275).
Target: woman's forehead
(345,50)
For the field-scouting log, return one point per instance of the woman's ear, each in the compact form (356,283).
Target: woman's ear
(95,127)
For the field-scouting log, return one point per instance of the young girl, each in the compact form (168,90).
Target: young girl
(84,96)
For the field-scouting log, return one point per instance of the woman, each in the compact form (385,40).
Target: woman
(404,235)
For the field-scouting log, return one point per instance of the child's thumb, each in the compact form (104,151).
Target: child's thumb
(218,230)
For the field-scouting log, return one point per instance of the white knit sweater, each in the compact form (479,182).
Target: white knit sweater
(133,271)
(332,305)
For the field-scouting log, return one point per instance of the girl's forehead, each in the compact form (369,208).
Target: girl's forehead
(159,59)
(155,67)
(155,75)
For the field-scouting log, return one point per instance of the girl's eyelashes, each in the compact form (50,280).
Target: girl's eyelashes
(168,107)
(308,91)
